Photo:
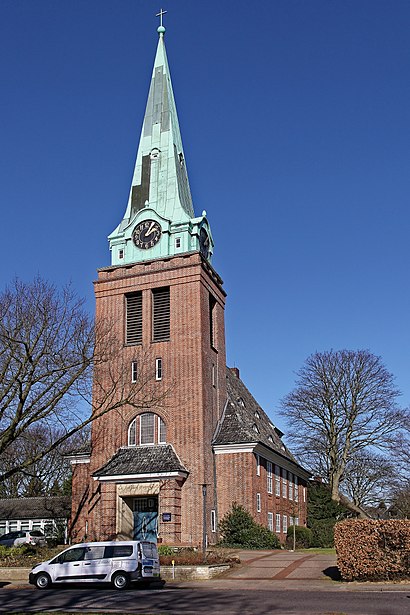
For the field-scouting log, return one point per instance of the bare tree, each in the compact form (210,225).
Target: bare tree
(49,347)
(400,448)
(400,502)
(48,475)
(344,403)
(367,478)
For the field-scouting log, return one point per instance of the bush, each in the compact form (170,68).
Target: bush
(369,550)
(238,529)
(323,533)
(303,537)
(323,513)
(165,550)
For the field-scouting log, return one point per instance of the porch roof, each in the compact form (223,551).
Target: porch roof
(144,461)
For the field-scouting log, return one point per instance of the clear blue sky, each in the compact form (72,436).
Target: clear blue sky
(295,117)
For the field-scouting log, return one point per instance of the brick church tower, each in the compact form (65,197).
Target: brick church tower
(168,466)
(150,467)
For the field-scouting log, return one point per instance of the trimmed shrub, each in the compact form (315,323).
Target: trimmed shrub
(303,537)
(239,529)
(369,550)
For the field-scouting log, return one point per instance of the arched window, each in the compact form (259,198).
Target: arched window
(147,428)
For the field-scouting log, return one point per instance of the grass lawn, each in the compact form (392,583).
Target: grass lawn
(318,550)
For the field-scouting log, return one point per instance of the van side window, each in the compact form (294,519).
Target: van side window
(118,551)
(72,555)
(94,552)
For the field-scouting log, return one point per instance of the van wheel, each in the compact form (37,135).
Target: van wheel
(120,580)
(43,581)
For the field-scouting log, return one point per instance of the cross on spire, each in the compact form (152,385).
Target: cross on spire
(160,15)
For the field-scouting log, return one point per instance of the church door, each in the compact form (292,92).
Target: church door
(146,518)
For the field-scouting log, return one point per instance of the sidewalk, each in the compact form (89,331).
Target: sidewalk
(273,570)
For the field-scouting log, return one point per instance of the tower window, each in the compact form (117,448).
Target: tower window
(134,371)
(121,253)
(258,502)
(212,306)
(178,242)
(158,369)
(133,319)
(161,314)
(147,428)
(162,431)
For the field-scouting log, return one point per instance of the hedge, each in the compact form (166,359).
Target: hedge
(369,550)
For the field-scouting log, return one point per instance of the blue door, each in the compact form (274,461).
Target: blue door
(146,518)
(145,526)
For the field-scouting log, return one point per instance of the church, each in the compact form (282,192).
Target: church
(170,471)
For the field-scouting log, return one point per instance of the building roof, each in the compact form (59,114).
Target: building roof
(244,421)
(58,507)
(137,460)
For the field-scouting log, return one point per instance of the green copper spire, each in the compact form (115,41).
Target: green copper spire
(160,194)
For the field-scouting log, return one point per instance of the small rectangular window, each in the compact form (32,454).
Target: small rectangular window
(258,465)
(258,502)
(133,318)
(178,242)
(284,484)
(161,314)
(277,528)
(214,375)
(285,524)
(290,478)
(277,481)
(269,476)
(296,489)
(213,521)
(158,369)
(270,521)
(120,253)
(134,372)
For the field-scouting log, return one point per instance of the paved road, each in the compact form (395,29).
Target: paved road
(196,600)
(278,583)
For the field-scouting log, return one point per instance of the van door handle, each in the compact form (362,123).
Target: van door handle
(76,564)
(87,564)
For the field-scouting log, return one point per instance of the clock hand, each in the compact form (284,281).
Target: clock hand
(150,229)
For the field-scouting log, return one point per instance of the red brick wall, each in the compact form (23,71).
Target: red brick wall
(238,482)
(192,405)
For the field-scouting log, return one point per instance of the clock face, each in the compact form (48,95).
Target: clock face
(204,243)
(146,234)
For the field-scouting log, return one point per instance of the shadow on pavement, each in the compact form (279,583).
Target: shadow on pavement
(333,573)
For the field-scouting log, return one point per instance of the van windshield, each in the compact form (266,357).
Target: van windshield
(149,549)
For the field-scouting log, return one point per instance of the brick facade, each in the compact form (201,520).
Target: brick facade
(193,389)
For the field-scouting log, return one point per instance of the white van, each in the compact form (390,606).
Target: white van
(116,562)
